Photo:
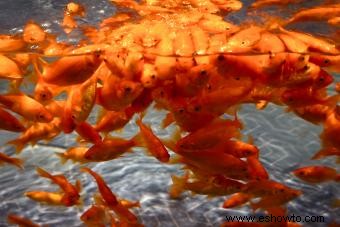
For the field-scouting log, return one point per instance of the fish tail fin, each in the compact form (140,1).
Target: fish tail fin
(62,156)
(178,185)
(43,173)
(18,163)
(171,142)
(78,186)
(18,144)
(138,140)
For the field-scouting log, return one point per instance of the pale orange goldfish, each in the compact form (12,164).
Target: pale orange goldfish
(36,132)
(10,43)
(71,70)
(9,69)
(110,199)
(50,198)
(317,174)
(33,33)
(13,161)
(318,13)
(265,187)
(20,221)
(9,122)
(71,192)
(76,154)
(88,133)
(110,148)
(112,120)
(26,107)
(236,199)
(152,142)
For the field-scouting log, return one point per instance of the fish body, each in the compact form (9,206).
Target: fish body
(71,194)
(152,142)
(9,122)
(109,149)
(21,221)
(13,161)
(76,154)
(50,198)
(9,69)
(316,174)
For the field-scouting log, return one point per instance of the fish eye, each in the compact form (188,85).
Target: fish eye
(153,76)
(326,61)
(203,72)
(181,110)
(197,108)
(237,78)
(41,116)
(306,67)
(220,57)
(127,89)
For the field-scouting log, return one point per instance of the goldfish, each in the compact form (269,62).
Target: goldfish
(209,136)
(243,40)
(258,172)
(329,62)
(88,133)
(330,134)
(315,113)
(76,154)
(314,43)
(26,107)
(13,161)
(316,174)
(50,198)
(269,43)
(95,216)
(21,221)
(9,69)
(71,192)
(110,199)
(292,44)
(335,21)
(152,142)
(118,94)
(111,121)
(71,70)
(9,122)
(263,3)
(266,187)
(9,43)
(36,132)
(236,199)
(33,33)
(110,148)
(274,201)
(318,13)
(72,9)
(325,152)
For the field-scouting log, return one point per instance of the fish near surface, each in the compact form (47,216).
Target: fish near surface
(71,70)
(9,69)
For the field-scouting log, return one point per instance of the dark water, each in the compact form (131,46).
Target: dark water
(286,142)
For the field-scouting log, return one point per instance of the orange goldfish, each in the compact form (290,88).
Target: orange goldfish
(256,169)
(36,132)
(325,152)
(315,113)
(274,201)
(330,134)
(335,21)
(72,9)
(9,122)
(21,221)
(265,187)
(9,69)
(110,199)
(95,216)
(329,62)
(10,43)
(118,94)
(110,148)
(71,196)
(236,199)
(269,43)
(242,41)
(112,120)
(152,142)
(263,3)
(317,174)
(318,13)
(76,154)
(13,161)
(33,33)
(71,70)
(209,136)
(88,133)
(292,44)
(26,107)
(50,198)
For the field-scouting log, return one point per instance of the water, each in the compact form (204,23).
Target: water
(286,142)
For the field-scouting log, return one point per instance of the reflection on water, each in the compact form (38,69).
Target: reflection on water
(285,142)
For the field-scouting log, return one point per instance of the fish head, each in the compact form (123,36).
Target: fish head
(323,79)
(43,116)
